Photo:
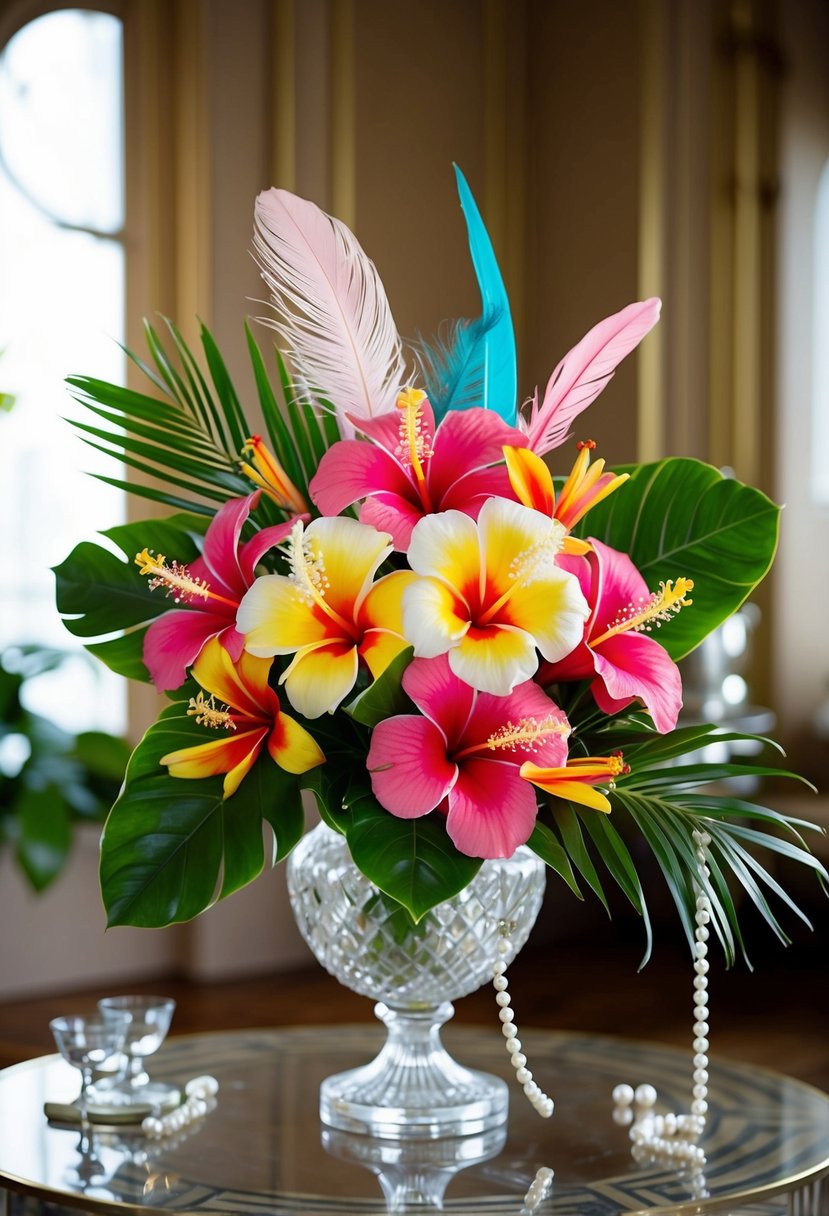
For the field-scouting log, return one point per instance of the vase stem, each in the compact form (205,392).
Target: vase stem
(413,1087)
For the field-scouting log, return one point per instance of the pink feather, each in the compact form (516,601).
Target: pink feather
(583,373)
(333,312)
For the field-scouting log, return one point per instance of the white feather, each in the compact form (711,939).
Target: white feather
(332,308)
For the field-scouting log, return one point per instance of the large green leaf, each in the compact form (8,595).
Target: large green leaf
(171,846)
(680,517)
(412,860)
(45,834)
(100,593)
(384,697)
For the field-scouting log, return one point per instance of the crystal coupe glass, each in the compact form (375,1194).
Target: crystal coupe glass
(87,1043)
(413,1088)
(147,1020)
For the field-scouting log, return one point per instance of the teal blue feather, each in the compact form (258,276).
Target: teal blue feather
(475,364)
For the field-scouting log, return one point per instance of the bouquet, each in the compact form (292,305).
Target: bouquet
(377,591)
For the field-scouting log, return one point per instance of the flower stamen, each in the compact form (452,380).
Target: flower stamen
(176,579)
(208,714)
(307,573)
(643,615)
(414,447)
(267,473)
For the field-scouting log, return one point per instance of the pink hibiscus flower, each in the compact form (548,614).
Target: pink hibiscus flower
(409,468)
(464,755)
(211,587)
(623,662)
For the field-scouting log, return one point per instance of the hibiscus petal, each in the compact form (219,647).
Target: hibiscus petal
(616,585)
(379,648)
(292,747)
(467,440)
(277,619)
(385,429)
(552,609)
(631,665)
(530,479)
(243,688)
(392,513)
(410,772)
(174,640)
(440,695)
(253,550)
(383,606)
(512,535)
(350,553)
(233,755)
(352,469)
(433,618)
(491,810)
(446,546)
(494,659)
(320,678)
(221,543)
(526,703)
(469,493)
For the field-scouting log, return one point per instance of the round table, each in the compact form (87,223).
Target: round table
(262,1150)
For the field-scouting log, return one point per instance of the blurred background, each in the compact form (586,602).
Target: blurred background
(618,149)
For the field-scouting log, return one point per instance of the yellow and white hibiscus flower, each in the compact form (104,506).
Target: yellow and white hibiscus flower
(490,593)
(328,612)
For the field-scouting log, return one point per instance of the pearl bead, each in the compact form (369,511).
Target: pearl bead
(701,1076)
(499,983)
(622,1115)
(523,1075)
(701,1029)
(204,1086)
(151,1126)
(670,1124)
(701,966)
(508,1030)
(700,1091)
(700,982)
(506,1014)
(517,1060)
(503,946)
(645,1095)
(531,1088)
(702,934)
(623,1095)
(700,1045)
(513,1045)
(499,967)
(700,1060)
(699,1107)
(502,998)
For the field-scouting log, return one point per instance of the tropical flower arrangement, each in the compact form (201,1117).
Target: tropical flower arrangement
(387,598)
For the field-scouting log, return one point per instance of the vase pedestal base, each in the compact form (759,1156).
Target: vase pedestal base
(414,1089)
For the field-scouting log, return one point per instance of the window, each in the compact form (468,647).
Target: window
(62,267)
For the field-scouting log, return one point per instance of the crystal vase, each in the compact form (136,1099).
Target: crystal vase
(413,1088)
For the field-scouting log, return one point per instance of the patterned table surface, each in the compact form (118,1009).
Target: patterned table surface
(262,1149)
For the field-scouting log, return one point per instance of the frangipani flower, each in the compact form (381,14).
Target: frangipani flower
(622,661)
(265,471)
(409,469)
(252,719)
(490,593)
(210,590)
(588,484)
(576,780)
(464,755)
(327,612)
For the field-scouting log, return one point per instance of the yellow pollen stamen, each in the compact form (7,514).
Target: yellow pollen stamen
(307,573)
(526,733)
(176,579)
(414,445)
(267,473)
(527,566)
(643,615)
(208,714)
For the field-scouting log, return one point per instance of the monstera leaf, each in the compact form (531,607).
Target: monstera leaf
(171,847)
(101,593)
(682,517)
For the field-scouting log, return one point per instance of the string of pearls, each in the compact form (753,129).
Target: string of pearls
(671,1138)
(200,1098)
(538,1191)
(543,1105)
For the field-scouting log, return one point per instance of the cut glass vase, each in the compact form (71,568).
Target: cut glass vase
(413,1088)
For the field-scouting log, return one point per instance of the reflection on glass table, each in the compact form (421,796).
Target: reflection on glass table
(147,1022)
(262,1149)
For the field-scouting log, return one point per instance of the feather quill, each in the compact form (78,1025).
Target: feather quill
(475,365)
(333,313)
(584,372)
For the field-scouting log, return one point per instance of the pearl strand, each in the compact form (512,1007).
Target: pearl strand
(200,1098)
(671,1138)
(543,1104)
(539,1190)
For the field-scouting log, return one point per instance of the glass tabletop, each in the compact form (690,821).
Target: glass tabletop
(263,1150)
